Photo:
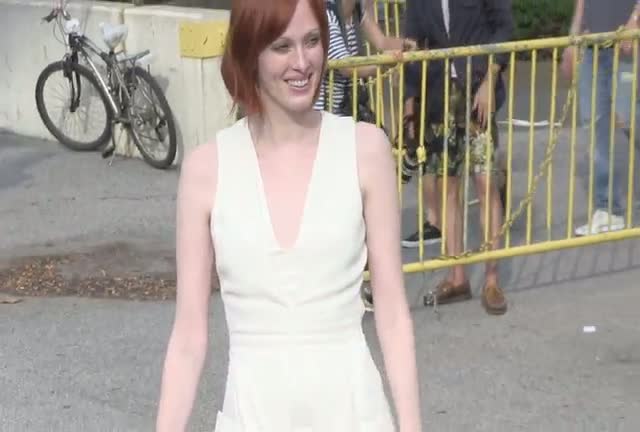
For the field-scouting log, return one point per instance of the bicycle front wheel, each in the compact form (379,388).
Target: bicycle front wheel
(73,107)
(152,124)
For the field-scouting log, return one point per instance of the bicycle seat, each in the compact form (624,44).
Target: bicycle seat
(113,34)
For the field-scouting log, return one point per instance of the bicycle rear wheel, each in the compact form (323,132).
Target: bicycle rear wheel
(152,124)
(82,111)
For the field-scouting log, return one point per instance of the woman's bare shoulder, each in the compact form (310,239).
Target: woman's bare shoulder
(201,160)
(373,148)
(375,161)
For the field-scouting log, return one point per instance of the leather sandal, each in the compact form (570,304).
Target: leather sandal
(447,293)
(493,300)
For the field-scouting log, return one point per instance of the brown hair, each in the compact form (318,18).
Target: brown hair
(254,24)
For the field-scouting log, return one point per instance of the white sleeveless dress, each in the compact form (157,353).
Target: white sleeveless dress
(298,358)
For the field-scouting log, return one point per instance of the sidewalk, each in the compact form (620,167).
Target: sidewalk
(117,219)
(78,364)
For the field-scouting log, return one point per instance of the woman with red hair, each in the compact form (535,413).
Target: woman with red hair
(285,207)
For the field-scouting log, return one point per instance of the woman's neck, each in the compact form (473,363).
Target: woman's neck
(279,129)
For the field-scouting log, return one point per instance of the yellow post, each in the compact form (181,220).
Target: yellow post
(592,132)
(421,156)
(632,135)
(467,157)
(488,162)
(532,119)
(445,174)
(552,128)
(612,131)
(512,78)
(572,158)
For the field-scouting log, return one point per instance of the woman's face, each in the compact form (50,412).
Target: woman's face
(290,69)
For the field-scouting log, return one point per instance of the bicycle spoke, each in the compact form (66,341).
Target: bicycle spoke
(84,123)
(146,118)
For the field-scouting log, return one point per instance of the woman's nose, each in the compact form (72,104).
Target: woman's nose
(301,59)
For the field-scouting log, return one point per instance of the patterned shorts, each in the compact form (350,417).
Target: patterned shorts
(479,141)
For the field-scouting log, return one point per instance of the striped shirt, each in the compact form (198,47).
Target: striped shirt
(337,50)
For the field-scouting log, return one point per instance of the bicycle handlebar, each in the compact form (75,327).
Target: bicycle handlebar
(61,7)
(52,15)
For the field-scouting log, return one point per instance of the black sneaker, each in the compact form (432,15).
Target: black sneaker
(430,235)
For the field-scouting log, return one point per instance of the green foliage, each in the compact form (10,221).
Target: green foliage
(542,18)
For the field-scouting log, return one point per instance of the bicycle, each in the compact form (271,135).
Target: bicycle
(126,94)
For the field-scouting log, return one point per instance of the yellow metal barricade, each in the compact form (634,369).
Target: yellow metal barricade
(519,233)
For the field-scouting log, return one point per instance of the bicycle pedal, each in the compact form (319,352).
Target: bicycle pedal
(108,152)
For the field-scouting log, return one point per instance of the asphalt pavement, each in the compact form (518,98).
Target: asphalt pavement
(76,364)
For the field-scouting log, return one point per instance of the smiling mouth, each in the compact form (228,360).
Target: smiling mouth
(299,84)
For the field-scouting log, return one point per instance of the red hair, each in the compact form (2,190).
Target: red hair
(254,24)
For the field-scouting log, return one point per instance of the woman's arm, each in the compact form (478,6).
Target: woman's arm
(576,22)
(632,24)
(577,27)
(392,317)
(194,258)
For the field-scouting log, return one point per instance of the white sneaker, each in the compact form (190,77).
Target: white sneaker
(600,223)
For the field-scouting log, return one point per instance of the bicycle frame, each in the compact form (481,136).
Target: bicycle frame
(83,45)
(79,43)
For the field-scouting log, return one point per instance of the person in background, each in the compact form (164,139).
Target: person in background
(443,24)
(345,18)
(595,16)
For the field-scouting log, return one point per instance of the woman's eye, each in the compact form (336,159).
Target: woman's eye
(313,41)
(281,48)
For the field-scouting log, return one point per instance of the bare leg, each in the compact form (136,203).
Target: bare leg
(493,298)
(455,287)
(495,222)
(453,235)
(432,200)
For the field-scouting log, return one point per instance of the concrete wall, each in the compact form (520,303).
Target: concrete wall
(27,45)
(193,87)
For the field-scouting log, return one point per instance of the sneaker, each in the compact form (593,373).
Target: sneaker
(600,224)
(367,297)
(430,235)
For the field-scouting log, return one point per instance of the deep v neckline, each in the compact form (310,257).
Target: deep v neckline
(308,194)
